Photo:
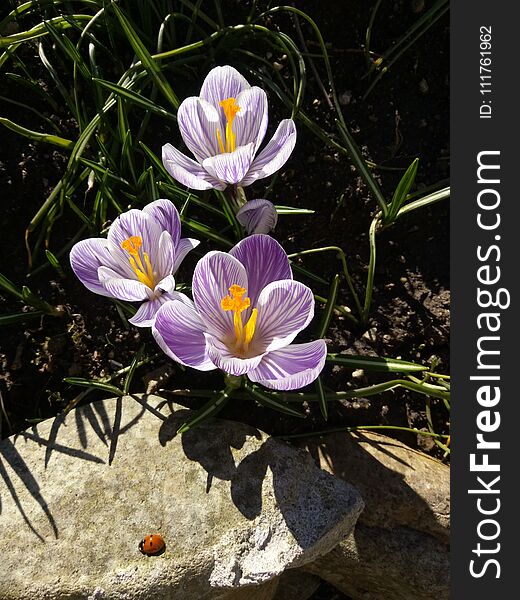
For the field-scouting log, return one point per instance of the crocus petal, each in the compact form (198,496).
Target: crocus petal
(226,361)
(179,332)
(198,122)
(275,154)
(167,284)
(145,315)
(184,246)
(258,216)
(284,309)
(165,213)
(135,223)
(264,261)
(85,259)
(130,290)
(250,122)
(222,83)
(292,367)
(187,171)
(214,274)
(230,167)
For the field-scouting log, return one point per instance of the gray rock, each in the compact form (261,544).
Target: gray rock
(399,485)
(296,584)
(235,507)
(399,548)
(387,564)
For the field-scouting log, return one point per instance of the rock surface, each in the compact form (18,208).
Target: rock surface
(235,507)
(399,548)
(399,485)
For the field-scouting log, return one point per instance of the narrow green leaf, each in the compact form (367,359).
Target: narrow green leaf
(10,287)
(131,370)
(290,210)
(145,57)
(375,363)
(268,401)
(329,308)
(98,385)
(425,201)
(14,318)
(135,98)
(322,400)
(54,262)
(210,409)
(401,191)
(361,166)
(37,136)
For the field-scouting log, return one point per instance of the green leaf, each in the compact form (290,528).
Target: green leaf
(268,401)
(98,385)
(20,317)
(10,287)
(375,363)
(135,98)
(145,57)
(329,308)
(131,370)
(54,262)
(324,407)
(48,138)
(210,409)
(401,191)
(362,167)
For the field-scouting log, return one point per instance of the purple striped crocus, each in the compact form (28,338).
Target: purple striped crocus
(138,259)
(245,314)
(223,128)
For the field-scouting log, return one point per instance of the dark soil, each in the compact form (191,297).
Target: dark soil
(405,116)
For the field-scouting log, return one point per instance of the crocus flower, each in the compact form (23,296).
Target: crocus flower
(223,128)
(258,216)
(138,259)
(247,311)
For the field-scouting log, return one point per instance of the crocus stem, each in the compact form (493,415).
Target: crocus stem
(230,214)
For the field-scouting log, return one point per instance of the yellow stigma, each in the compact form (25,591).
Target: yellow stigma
(231,108)
(237,303)
(144,272)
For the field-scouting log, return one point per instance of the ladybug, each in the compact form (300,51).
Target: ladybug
(152,545)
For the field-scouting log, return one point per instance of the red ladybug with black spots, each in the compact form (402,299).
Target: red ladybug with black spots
(152,545)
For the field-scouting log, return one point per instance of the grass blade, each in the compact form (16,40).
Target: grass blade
(375,363)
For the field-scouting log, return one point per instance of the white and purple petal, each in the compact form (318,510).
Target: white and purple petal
(179,332)
(85,259)
(226,360)
(198,123)
(258,216)
(250,123)
(165,213)
(264,260)
(214,274)
(121,288)
(135,223)
(184,246)
(274,155)
(292,367)
(222,83)
(188,172)
(230,167)
(284,309)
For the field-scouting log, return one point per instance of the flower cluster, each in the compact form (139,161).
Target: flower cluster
(246,309)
